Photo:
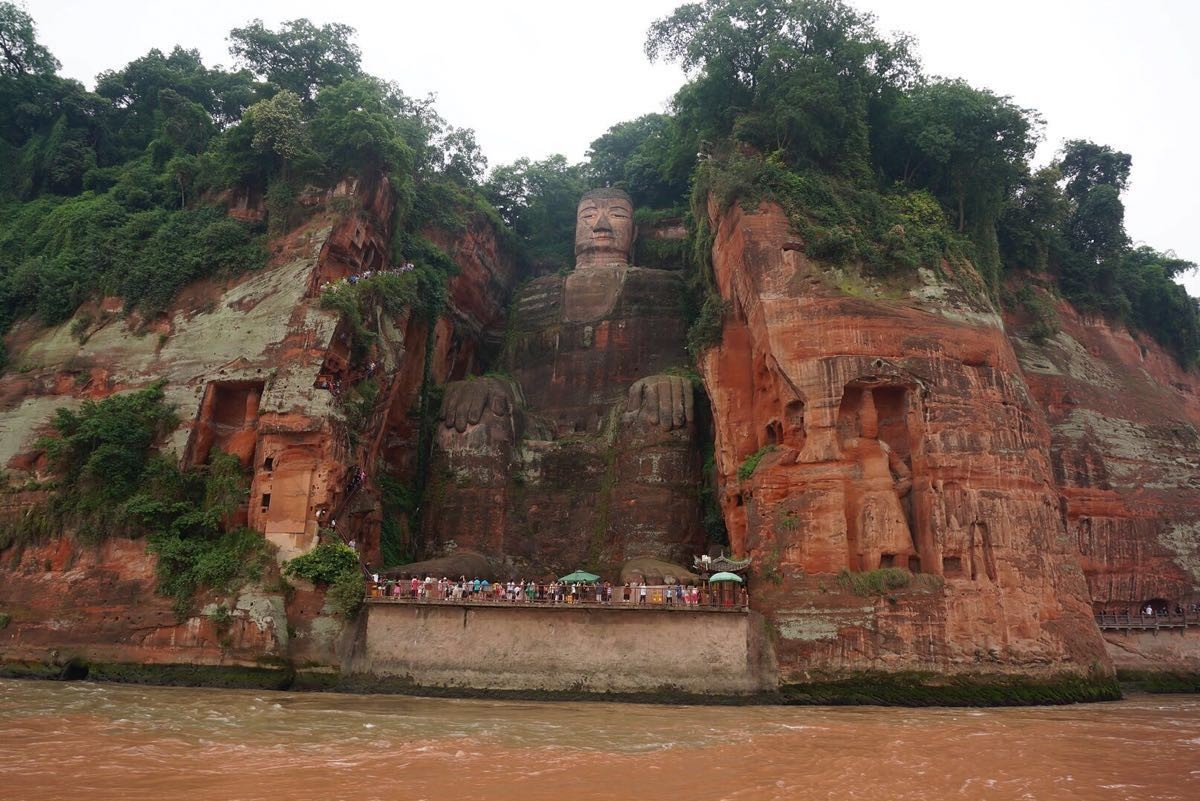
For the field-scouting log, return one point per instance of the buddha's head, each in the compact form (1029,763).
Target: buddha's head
(604,228)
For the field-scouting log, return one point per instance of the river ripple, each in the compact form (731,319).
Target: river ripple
(103,741)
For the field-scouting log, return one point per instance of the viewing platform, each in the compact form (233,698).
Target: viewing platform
(556,647)
(1121,622)
(615,606)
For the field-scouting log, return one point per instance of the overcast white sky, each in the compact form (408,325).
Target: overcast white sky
(535,78)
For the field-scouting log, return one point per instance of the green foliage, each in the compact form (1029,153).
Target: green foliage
(220,617)
(5,619)
(663,254)
(841,221)
(750,463)
(218,562)
(355,131)
(80,328)
(646,157)
(358,405)
(874,582)
(188,505)
(102,456)
(802,77)
(299,57)
(1086,165)
(969,147)
(712,518)
(278,130)
(705,330)
(111,481)
(100,192)
(1068,219)
(538,200)
(280,201)
(100,452)
(20,52)
(347,593)
(1157,304)
(324,564)
(399,503)
(361,303)
(1043,320)
(54,254)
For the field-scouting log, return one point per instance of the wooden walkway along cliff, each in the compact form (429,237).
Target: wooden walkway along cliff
(1148,622)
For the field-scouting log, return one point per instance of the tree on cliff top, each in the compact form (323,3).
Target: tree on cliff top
(647,157)
(300,57)
(105,192)
(799,76)
(20,51)
(537,199)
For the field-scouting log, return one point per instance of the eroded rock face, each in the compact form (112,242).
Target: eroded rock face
(856,427)
(66,600)
(586,452)
(1126,456)
(903,435)
(256,368)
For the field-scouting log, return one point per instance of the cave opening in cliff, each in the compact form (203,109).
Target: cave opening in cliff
(227,420)
(1156,606)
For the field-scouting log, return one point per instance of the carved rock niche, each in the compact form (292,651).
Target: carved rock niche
(876,437)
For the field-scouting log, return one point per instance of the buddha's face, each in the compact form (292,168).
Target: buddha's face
(603,231)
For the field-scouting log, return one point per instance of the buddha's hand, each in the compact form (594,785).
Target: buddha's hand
(465,402)
(667,401)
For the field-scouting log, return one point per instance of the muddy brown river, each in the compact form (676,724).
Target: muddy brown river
(103,741)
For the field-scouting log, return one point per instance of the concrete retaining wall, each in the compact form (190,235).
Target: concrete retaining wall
(566,649)
(1169,649)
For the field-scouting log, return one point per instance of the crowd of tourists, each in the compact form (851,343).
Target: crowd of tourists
(555,592)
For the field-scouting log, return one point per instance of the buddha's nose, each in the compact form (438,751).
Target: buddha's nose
(602,224)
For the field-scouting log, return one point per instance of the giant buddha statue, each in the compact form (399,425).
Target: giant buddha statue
(584,449)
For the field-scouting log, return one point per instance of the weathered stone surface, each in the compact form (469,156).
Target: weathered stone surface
(567,649)
(1124,418)
(1126,449)
(904,435)
(891,425)
(100,603)
(249,365)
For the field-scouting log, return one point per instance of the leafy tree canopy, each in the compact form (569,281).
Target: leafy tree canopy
(801,76)
(538,199)
(20,52)
(300,57)
(1086,165)
(111,191)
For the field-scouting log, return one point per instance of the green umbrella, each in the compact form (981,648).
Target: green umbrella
(724,576)
(579,577)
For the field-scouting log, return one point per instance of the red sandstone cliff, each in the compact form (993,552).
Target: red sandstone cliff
(1126,458)
(254,366)
(909,428)
(904,435)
